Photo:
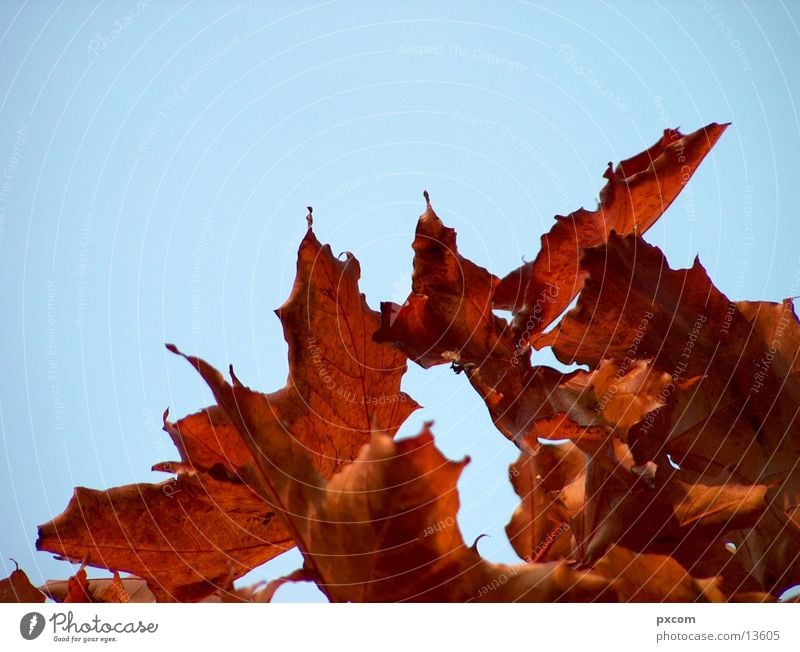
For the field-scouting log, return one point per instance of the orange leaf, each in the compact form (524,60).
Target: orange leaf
(739,423)
(184,536)
(78,588)
(383,528)
(193,535)
(18,588)
(637,193)
(549,482)
(654,578)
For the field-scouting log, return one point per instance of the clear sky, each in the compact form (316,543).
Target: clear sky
(156,159)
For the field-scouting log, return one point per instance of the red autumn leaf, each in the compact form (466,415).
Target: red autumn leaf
(184,536)
(653,510)
(208,442)
(550,482)
(115,589)
(18,588)
(192,535)
(680,481)
(654,578)
(448,315)
(78,588)
(448,318)
(739,422)
(342,385)
(363,533)
(637,193)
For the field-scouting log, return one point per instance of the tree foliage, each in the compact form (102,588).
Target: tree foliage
(666,471)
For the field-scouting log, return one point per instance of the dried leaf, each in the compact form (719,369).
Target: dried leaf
(208,441)
(192,535)
(183,536)
(115,589)
(680,481)
(18,588)
(654,578)
(637,193)
(739,423)
(342,385)
(549,482)
(383,528)
(78,588)
(448,318)
(448,315)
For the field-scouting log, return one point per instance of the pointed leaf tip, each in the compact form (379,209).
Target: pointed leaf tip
(234,378)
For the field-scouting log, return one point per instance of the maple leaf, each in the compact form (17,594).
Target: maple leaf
(448,315)
(448,318)
(78,587)
(208,443)
(637,193)
(192,534)
(184,536)
(679,482)
(260,591)
(655,578)
(617,394)
(652,508)
(647,509)
(18,588)
(363,533)
(549,480)
(115,589)
(738,424)
(342,384)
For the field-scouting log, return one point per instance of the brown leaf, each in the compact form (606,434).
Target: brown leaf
(18,588)
(739,422)
(261,591)
(208,441)
(192,535)
(448,318)
(650,509)
(370,542)
(525,402)
(727,503)
(342,384)
(183,536)
(665,514)
(78,588)
(383,528)
(654,578)
(617,394)
(115,589)
(448,315)
(637,193)
(549,482)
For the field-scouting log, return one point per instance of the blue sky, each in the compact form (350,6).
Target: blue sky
(156,159)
